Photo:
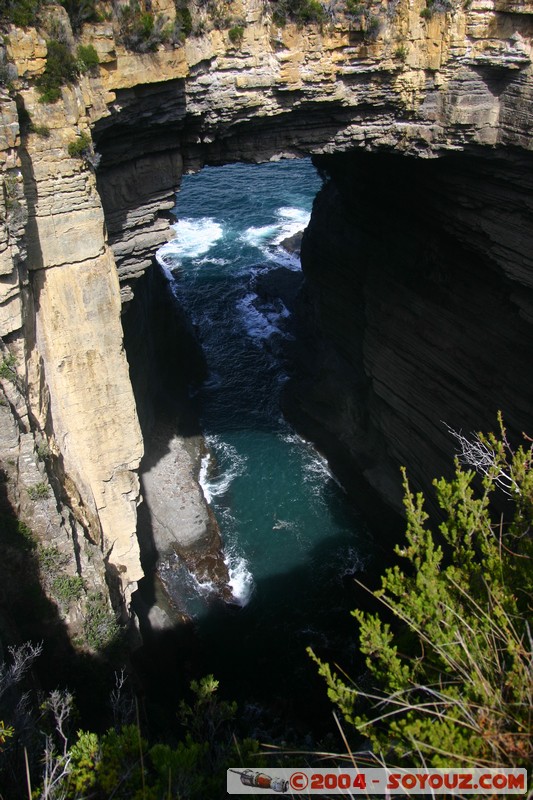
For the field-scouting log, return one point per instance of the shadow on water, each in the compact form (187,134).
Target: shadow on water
(258,653)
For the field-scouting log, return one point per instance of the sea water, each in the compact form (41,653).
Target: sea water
(290,536)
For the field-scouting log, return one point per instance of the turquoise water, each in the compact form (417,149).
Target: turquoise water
(290,537)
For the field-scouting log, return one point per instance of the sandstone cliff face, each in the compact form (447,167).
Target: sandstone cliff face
(460,80)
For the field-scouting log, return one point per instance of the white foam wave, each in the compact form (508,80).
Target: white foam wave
(268,238)
(257,237)
(316,467)
(257,324)
(292,220)
(185,589)
(261,322)
(229,465)
(291,437)
(204,588)
(282,258)
(218,262)
(241,581)
(193,238)
(202,477)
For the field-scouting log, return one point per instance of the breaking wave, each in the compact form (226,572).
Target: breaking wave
(219,467)
(194,238)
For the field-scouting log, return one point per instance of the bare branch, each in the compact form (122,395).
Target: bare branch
(475,452)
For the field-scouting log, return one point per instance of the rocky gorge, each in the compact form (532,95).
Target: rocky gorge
(417,261)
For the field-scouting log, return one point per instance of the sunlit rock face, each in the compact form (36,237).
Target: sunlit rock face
(406,85)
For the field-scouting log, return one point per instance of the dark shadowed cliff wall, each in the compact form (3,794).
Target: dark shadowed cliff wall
(418,300)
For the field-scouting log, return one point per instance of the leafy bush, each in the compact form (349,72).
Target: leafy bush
(401,52)
(78,147)
(61,68)
(361,15)
(354,8)
(20,12)
(143,31)
(184,20)
(454,674)
(82,147)
(8,364)
(41,130)
(39,491)
(303,12)
(87,58)
(51,560)
(43,450)
(372,26)
(236,34)
(68,588)
(100,626)
(120,763)
(123,764)
(436,7)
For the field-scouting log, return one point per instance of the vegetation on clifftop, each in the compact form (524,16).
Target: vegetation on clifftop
(450,656)
(69,763)
(20,12)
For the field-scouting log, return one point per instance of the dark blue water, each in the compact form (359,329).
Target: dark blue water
(291,538)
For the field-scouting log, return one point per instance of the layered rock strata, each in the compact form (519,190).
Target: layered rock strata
(418,308)
(408,84)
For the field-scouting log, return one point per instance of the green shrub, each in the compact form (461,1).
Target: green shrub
(43,450)
(40,130)
(124,765)
(79,147)
(82,147)
(100,626)
(184,20)
(8,364)
(236,34)
(20,12)
(372,26)
(310,11)
(67,588)
(354,9)
(401,52)
(142,31)
(87,58)
(303,12)
(52,560)
(39,491)
(61,68)
(436,7)
(454,669)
